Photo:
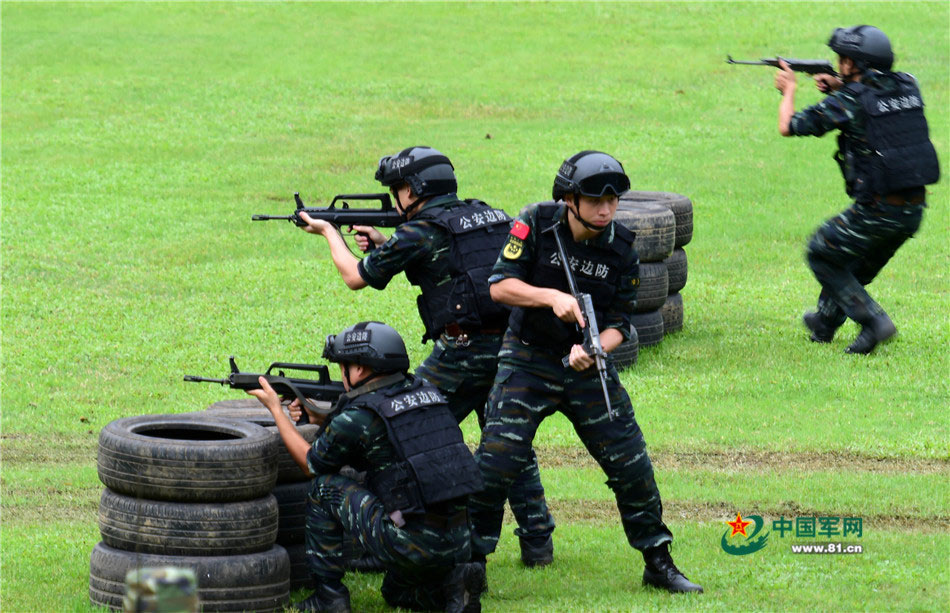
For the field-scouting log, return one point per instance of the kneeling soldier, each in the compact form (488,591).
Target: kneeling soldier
(412,514)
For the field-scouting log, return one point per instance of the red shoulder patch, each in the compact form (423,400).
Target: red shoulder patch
(521,230)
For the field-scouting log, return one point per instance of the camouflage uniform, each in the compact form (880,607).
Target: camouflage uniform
(463,373)
(848,250)
(532,383)
(418,555)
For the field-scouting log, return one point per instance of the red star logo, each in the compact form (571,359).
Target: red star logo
(738,526)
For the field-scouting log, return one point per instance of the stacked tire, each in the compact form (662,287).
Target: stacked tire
(663,224)
(191,492)
(291,491)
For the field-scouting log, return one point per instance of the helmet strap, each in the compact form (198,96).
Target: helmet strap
(576,212)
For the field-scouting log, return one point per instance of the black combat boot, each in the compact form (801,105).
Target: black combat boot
(877,330)
(821,332)
(537,550)
(662,573)
(326,599)
(463,588)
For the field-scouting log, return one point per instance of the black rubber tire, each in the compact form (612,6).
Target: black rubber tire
(680,205)
(654,286)
(672,312)
(187,528)
(649,327)
(677,269)
(287,470)
(300,576)
(236,403)
(654,226)
(250,582)
(291,512)
(187,458)
(626,353)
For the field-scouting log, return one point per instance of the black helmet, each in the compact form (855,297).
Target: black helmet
(866,45)
(591,174)
(369,343)
(425,170)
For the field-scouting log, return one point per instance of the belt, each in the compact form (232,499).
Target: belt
(463,336)
(445,522)
(454,330)
(902,198)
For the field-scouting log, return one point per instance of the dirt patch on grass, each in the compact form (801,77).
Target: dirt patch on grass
(731,461)
(605,511)
(21,448)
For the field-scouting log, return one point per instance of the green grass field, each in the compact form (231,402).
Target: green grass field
(138,139)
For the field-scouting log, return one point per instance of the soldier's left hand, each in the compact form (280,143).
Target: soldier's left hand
(784,78)
(579,360)
(266,395)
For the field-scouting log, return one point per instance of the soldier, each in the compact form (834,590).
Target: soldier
(447,247)
(886,157)
(412,512)
(532,383)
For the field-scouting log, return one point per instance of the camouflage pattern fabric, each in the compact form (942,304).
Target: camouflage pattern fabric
(850,249)
(161,590)
(463,374)
(416,556)
(530,385)
(420,245)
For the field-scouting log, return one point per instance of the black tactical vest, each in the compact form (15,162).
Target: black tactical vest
(596,271)
(434,464)
(478,234)
(901,155)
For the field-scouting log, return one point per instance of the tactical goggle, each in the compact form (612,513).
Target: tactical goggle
(597,185)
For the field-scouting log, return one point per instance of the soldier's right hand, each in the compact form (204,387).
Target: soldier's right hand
(827,83)
(567,309)
(364,234)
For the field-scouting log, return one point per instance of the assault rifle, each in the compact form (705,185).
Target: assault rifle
(305,390)
(384,217)
(590,331)
(811,67)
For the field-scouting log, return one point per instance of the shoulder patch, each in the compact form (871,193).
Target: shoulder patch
(520,230)
(513,248)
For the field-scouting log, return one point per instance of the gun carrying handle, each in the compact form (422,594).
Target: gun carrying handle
(272,379)
(317,368)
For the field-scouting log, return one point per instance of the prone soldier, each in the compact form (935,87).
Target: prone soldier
(886,157)
(532,382)
(447,247)
(412,513)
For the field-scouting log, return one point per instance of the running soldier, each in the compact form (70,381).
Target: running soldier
(886,157)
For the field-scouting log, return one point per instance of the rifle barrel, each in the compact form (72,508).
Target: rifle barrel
(194,379)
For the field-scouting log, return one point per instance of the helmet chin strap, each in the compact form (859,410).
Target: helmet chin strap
(411,207)
(576,212)
(353,386)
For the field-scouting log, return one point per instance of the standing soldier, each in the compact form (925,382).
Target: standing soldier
(412,514)
(886,157)
(532,382)
(447,247)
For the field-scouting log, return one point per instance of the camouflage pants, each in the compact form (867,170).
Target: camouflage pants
(416,557)
(530,385)
(850,249)
(465,376)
